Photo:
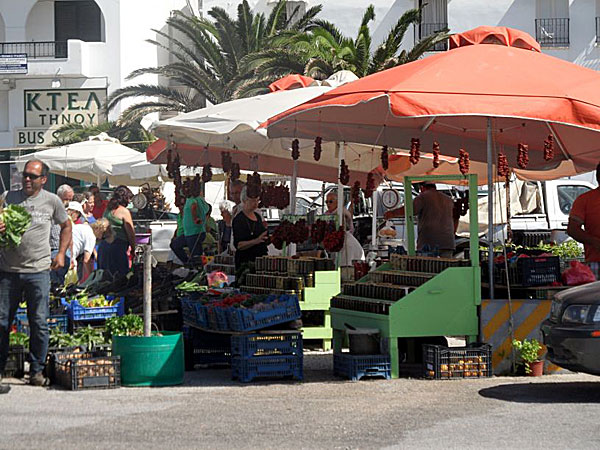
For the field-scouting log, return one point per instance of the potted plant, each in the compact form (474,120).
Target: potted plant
(529,350)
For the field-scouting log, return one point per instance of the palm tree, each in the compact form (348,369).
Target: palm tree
(207,59)
(324,50)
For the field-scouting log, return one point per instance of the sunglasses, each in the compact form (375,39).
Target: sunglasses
(31,176)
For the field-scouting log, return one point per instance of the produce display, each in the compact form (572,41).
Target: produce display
(317,148)
(415,150)
(344,172)
(523,155)
(355,192)
(291,233)
(207,173)
(463,161)
(254,185)
(370,186)
(334,240)
(549,148)
(191,286)
(81,370)
(95,301)
(128,325)
(274,195)
(436,154)
(502,166)
(16,219)
(295,149)
(385,158)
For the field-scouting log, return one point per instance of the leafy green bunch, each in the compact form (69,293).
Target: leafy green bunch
(127,325)
(529,350)
(16,220)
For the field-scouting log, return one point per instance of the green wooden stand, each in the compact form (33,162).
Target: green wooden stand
(446,305)
(318,298)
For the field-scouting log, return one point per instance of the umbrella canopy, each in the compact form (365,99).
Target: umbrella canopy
(92,160)
(202,136)
(449,97)
(293,81)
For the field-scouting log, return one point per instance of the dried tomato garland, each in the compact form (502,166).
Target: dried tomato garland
(334,241)
(355,192)
(320,228)
(273,195)
(235,171)
(463,161)
(370,187)
(295,233)
(317,149)
(523,155)
(295,149)
(549,148)
(344,172)
(385,157)
(254,185)
(415,150)
(502,167)
(226,162)
(436,154)
(207,173)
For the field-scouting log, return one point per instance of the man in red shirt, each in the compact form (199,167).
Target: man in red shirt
(584,224)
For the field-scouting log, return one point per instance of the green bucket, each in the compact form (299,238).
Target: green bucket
(150,361)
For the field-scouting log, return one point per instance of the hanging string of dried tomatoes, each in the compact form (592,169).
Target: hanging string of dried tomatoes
(317,148)
(355,192)
(463,161)
(226,162)
(523,155)
(436,154)
(385,157)
(344,172)
(415,150)
(549,148)
(207,173)
(235,171)
(370,187)
(295,149)
(502,167)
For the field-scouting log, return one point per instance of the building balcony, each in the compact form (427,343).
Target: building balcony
(552,32)
(427,29)
(37,50)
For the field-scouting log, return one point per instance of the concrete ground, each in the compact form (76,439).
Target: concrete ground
(212,411)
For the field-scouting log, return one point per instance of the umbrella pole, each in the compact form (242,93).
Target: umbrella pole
(293,188)
(374,220)
(340,189)
(490,186)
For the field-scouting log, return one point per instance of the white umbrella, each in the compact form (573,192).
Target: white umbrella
(92,160)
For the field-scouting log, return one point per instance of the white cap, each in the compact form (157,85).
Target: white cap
(76,206)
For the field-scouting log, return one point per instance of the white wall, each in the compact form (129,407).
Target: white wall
(40,22)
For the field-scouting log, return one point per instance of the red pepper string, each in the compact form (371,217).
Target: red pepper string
(295,149)
(207,173)
(436,154)
(463,161)
(523,155)
(385,162)
(344,173)
(370,186)
(317,148)
(502,166)
(549,148)
(415,150)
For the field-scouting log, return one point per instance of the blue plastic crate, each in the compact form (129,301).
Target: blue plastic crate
(201,315)
(188,309)
(218,318)
(275,310)
(251,345)
(356,367)
(247,369)
(77,312)
(60,321)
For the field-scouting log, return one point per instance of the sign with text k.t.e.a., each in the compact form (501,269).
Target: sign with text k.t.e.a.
(54,108)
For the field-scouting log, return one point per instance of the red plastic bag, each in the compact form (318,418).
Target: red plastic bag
(578,274)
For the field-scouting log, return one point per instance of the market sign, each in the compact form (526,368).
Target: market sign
(13,63)
(54,108)
(34,137)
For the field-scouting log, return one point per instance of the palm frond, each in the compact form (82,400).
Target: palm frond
(307,19)
(426,44)
(276,20)
(318,69)
(244,26)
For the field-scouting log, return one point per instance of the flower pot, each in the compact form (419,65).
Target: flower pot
(537,368)
(150,361)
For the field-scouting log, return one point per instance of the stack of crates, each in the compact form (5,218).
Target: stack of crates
(203,348)
(276,354)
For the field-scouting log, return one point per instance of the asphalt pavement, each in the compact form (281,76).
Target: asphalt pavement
(212,411)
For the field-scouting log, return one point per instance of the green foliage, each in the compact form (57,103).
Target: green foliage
(17,221)
(131,134)
(529,350)
(89,337)
(17,338)
(127,325)
(567,250)
(61,339)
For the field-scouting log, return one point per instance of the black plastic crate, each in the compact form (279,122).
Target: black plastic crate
(531,271)
(278,343)
(355,367)
(86,370)
(15,364)
(445,363)
(281,366)
(204,348)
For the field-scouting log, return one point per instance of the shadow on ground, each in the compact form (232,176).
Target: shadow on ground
(577,392)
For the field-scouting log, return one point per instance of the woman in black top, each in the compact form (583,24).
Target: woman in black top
(250,235)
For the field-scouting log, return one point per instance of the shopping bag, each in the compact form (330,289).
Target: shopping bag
(578,273)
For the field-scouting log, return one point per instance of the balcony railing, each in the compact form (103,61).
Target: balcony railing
(597,30)
(427,29)
(35,50)
(552,32)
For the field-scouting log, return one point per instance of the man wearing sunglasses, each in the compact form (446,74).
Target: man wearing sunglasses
(25,270)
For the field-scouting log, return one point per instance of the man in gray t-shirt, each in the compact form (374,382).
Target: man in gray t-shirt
(25,270)
(435,227)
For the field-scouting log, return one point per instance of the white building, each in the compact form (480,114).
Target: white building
(75,52)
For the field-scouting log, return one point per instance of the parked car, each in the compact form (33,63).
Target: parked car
(572,332)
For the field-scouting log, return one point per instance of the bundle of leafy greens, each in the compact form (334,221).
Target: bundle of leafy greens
(17,221)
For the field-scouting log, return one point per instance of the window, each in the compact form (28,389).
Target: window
(434,19)
(80,19)
(552,23)
(567,195)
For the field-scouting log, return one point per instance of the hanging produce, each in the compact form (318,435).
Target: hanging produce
(503,168)
(226,162)
(385,157)
(436,154)
(463,161)
(344,173)
(317,152)
(415,150)
(334,241)
(254,185)
(355,192)
(235,171)
(207,173)
(370,187)
(320,228)
(276,196)
(523,155)
(291,233)
(295,149)
(549,148)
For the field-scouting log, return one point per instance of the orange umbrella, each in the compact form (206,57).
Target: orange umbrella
(449,97)
(293,81)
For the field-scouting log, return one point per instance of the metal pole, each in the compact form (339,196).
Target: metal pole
(147,290)
(374,220)
(490,186)
(340,191)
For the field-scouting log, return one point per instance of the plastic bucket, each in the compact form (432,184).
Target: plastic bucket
(364,341)
(150,361)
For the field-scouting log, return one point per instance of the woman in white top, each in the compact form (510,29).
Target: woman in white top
(83,241)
